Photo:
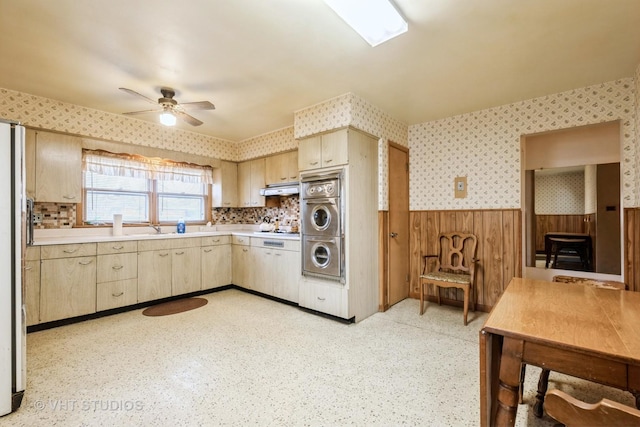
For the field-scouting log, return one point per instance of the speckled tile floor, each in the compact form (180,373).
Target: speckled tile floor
(245,360)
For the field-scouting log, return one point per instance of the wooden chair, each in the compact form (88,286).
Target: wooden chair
(573,413)
(543,381)
(455,267)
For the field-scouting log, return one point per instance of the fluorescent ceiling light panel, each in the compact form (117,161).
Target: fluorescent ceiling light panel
(375,20)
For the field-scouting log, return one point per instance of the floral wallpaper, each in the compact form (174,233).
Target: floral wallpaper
(351,110)
(44,113)
(561,194)
(637,154)
(269,143)
(484,146)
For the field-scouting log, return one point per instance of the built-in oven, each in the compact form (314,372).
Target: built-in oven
(321,218)
(322,256)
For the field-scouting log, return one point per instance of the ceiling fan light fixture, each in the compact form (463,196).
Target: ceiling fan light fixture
(375,20)
(167,118)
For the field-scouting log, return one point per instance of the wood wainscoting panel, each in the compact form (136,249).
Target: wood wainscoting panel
(632,248)
(499,249)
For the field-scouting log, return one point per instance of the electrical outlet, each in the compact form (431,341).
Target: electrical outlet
(37,218)
(460,187)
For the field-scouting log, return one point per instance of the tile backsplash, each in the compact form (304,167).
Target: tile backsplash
(287,213)
(58,215)
(55,215)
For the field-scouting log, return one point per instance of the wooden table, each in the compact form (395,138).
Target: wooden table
(575,329)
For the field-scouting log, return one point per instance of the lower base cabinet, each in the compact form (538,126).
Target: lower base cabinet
(68,288)
(154,275)
(216,266)
(324,296)
(32,285)
(120,293)
(276,268)
(64,281)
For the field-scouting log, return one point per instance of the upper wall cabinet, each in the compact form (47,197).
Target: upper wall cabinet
(225,185)
(282,168)
(30,162)
(58,168)
(250,180)
(323,151)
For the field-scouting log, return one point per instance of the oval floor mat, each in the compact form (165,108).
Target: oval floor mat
(173,307)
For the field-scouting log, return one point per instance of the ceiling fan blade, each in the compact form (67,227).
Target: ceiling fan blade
(134,93)
(132,113)
(201,105)
(187,118)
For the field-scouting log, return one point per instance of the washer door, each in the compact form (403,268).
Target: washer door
(322,256)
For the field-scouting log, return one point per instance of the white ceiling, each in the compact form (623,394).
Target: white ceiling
(259,61)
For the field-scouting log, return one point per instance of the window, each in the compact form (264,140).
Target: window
(143,190)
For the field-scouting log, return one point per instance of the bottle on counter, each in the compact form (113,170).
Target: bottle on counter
(182,228)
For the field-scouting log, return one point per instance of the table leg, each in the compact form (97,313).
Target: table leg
(509,382)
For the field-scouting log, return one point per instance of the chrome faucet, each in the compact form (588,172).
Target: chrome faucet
(156,227)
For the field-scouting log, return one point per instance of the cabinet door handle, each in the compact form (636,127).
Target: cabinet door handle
(85,262)
(227,203)
(28,268)
(245,250)
(69,197)
(282,178)
(117,295)
(117,267)
(117,248)
(163,255)
(207,250)
(216,241)
(278,254)
(179,253)
(69,251)
(313,163)
(328,161)
(321,298)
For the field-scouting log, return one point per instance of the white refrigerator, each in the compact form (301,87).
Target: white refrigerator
(13,240)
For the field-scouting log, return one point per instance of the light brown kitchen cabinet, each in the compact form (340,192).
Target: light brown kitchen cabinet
(154,271)
(321,151)
(58,168)
(286,274)
(68,283)
(30,162)
(186,273)
(32,285)
(251,178)
(117,275)
(216,262)
(241,261)
(281,168)
(276,266)
(225,185)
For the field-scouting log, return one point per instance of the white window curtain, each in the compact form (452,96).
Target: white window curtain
(134,166)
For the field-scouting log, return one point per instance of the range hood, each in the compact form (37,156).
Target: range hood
(281,189)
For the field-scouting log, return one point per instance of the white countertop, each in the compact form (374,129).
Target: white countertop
(104,234)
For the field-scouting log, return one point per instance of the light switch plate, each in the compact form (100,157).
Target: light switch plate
(460,187)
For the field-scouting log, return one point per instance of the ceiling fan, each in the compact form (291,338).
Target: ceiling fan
(170,108)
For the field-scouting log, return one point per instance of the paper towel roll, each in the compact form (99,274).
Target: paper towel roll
(117,224)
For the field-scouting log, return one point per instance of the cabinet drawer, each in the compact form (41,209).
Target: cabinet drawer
(216,240)
(241,240)
(325,298)
(185,242)
(68,251)
(117,267)
(153,245)
(117,247)
(33,253)
(116,294)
